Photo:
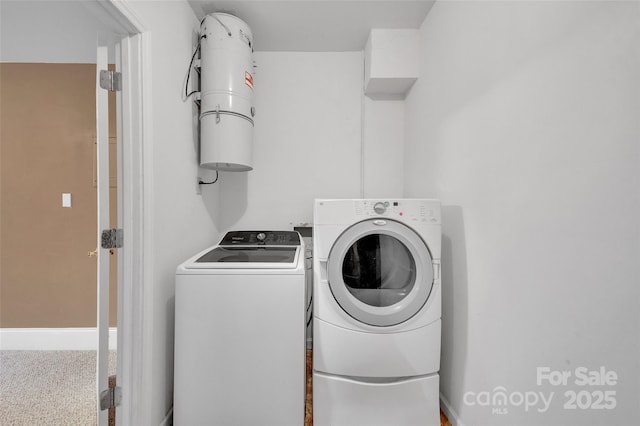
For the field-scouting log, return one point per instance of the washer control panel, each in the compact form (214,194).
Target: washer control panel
(268,238)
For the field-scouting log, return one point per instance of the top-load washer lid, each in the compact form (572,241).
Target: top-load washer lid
(252,250)
(250,255)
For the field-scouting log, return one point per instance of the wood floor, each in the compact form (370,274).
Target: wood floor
(308,416)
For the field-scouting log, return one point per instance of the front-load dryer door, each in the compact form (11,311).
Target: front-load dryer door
(380,272)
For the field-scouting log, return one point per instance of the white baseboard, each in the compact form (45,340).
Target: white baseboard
(448,411)
(54,339)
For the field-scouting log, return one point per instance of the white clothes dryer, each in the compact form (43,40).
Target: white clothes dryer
(240,332)
(377,308)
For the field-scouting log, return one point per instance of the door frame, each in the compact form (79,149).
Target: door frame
(134,339)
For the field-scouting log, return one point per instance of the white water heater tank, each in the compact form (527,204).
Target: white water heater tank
(226,93)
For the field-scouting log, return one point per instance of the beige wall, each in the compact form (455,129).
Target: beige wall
(47,134)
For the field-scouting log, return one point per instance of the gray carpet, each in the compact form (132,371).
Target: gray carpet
(48,387)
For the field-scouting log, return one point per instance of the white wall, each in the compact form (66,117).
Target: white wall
(51,31)
(178,221)
(524,122)
(307,141)
(383,148)
(312,128)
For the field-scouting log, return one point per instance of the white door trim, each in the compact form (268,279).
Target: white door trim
(134,299)
(104,256)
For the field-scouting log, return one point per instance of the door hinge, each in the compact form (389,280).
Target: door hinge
(112,238)
(110,398)
(111,80)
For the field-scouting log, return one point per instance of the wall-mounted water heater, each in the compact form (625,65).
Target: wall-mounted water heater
(226,93)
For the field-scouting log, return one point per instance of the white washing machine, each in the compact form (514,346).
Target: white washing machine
(240,332)
(377,305)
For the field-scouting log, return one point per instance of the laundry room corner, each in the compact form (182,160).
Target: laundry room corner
(521,120)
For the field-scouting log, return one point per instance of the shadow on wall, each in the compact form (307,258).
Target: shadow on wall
(233,198)
(210,193)
(455,307)
(169,324)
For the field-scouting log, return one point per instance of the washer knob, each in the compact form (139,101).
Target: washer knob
(261,236)
(379,208)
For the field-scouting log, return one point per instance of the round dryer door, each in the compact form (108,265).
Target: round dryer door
(380,272)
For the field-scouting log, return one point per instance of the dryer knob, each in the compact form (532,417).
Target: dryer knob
(379,208)
(261,236)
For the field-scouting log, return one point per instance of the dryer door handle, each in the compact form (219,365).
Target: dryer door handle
(380,222)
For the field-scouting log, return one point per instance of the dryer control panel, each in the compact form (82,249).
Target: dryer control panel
(409,210)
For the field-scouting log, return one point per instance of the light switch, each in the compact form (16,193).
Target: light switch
(66,199)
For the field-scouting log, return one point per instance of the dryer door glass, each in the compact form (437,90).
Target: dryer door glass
(379,270)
